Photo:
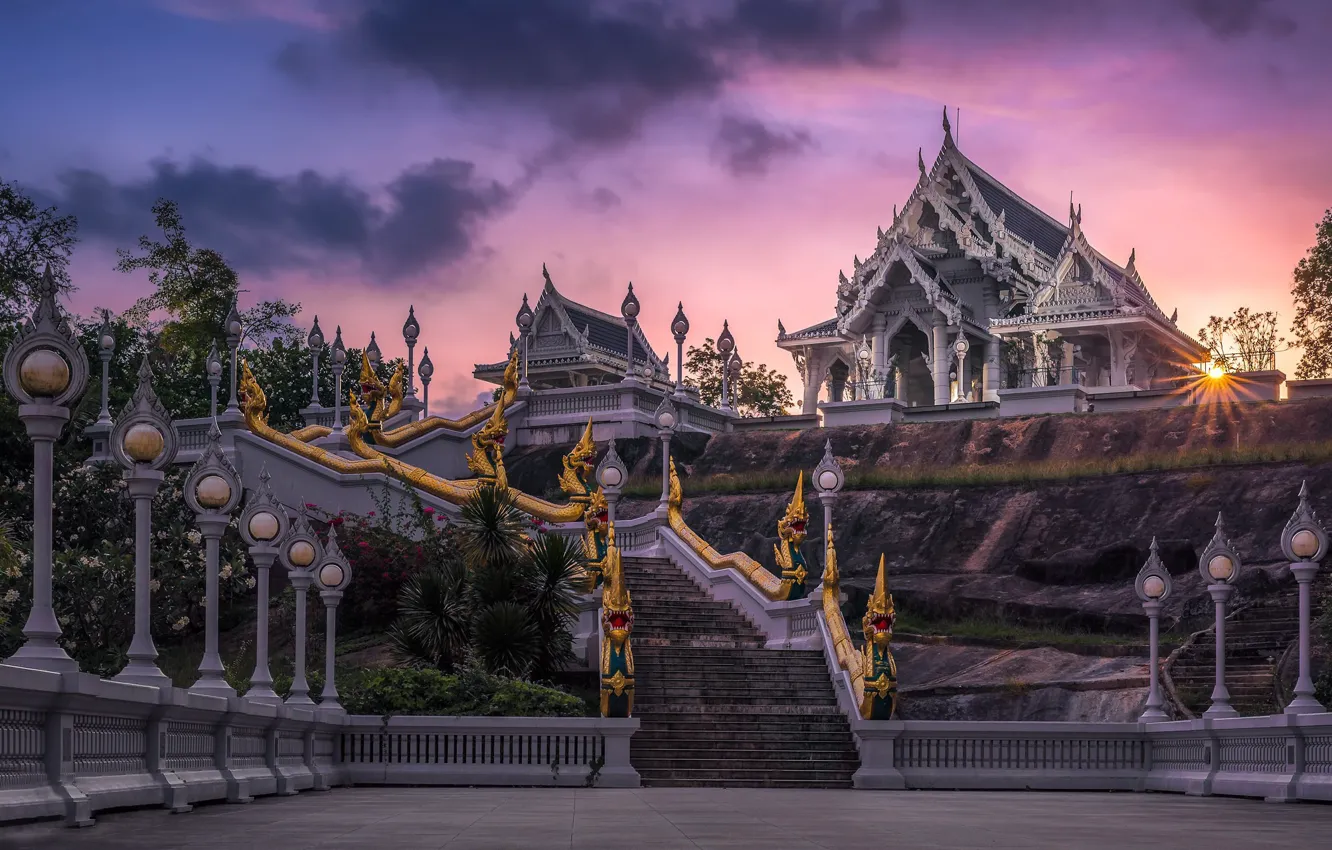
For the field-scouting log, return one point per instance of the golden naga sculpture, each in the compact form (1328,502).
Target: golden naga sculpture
(404,434)
(617,622)
(873,672)
(578,466)
(254,405)
(487,458)
(776,589)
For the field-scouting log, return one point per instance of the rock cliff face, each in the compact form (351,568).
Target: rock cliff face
(1061,552)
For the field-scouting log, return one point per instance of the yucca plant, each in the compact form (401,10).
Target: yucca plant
(506,603)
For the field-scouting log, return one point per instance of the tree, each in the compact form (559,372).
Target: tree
(196,287)
(1313,305)
(1243,342)
(760,392)
(31,239)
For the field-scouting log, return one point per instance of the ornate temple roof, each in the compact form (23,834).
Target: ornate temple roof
(589,337)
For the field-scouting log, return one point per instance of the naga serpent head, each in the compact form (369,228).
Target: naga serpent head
(253,402)
(791,527)
(372,389)
(597,514)
(880,614)
(617,613)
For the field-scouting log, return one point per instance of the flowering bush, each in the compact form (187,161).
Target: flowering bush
(386,548)
(93,569)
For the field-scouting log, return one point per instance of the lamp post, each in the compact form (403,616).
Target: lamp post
(315,342)
(629,309)
(45,369)
(235,332)
(667,417)
(411,330)
(1219,566)
(262,524)
(828,480)
(524,320)
(427,371)
(679,330)
(100,431)
(863,358)
(1153,586)
(145,444)
(213,366)
(212,491)
(725,344)
(611,475)
(1304,543)
(333,576)
(299,551)
(372,352)
(733,377)
(339,363)
(960,349)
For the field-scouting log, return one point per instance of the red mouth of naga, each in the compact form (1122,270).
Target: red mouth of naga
(882,624)
(798,526)
(619,621)
(603,516)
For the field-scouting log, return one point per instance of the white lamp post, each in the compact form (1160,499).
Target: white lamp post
(524,320)
(611,475)
(212,491)
(1304,543)
(733,378)
(427,372)
(629,310)
(235,332)
(45,370)
(145,444)
(100,431)
(262,524)
(667,418)
(299,551)
(725,344)
(1153,586)
(828,480)
(315,342)
(333,576)
(411,331)
(213,366)
(339,363)
(960,349)
(372,352)
(1219,566)
(679,330)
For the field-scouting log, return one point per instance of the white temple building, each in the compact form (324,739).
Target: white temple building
(974,294)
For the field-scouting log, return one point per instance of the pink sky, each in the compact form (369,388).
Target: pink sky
(1206,153)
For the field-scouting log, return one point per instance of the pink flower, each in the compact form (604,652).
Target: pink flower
(337,520)
(429,511)
(386,575)
(311,505)
(372,513)
(363,544)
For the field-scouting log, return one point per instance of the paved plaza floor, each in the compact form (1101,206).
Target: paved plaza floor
(661,818)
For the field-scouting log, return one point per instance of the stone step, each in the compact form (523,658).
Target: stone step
(767,777)
(728,696)
(709,678)
(740,739)
(747,766)
(686,782)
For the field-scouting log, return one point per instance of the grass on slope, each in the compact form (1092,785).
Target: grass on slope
(889,478)
(985,628)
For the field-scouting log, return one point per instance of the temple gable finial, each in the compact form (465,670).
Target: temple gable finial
(947,127)
(781,329)
(920,159)
(1133,260)
(546,274)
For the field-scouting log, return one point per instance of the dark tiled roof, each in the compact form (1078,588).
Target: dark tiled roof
(1020,220)
(608,334)
(828,328)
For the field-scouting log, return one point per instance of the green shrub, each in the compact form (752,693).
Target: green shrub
(469,692)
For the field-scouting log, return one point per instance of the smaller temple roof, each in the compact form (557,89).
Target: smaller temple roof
(825,329)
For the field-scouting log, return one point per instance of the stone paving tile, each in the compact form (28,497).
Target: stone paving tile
(694,818)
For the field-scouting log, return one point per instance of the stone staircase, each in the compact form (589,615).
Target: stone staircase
(715,707)
(1255,639)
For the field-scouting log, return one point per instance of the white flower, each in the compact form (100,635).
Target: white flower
(249,582)
(11,595)
(154,585)
(225,572)
(194,537)
(162,535)
(180,624)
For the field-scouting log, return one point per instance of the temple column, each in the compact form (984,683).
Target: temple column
(940,358)
(1066,373)
(813,377)
(1040,360)
(990,375)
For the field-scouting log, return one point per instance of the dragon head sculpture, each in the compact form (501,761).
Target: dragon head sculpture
(253,402)
(880,614)
(617,623)
(879,701)
(510,384)
(487,457)
(372,389)
(596,541)
(790,535)
(578,465)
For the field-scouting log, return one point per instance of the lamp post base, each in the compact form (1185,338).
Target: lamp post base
(213,686)
(43,654)
(1153,714)
(142,672)
(263,694)
(1220,710)
(1305,704)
